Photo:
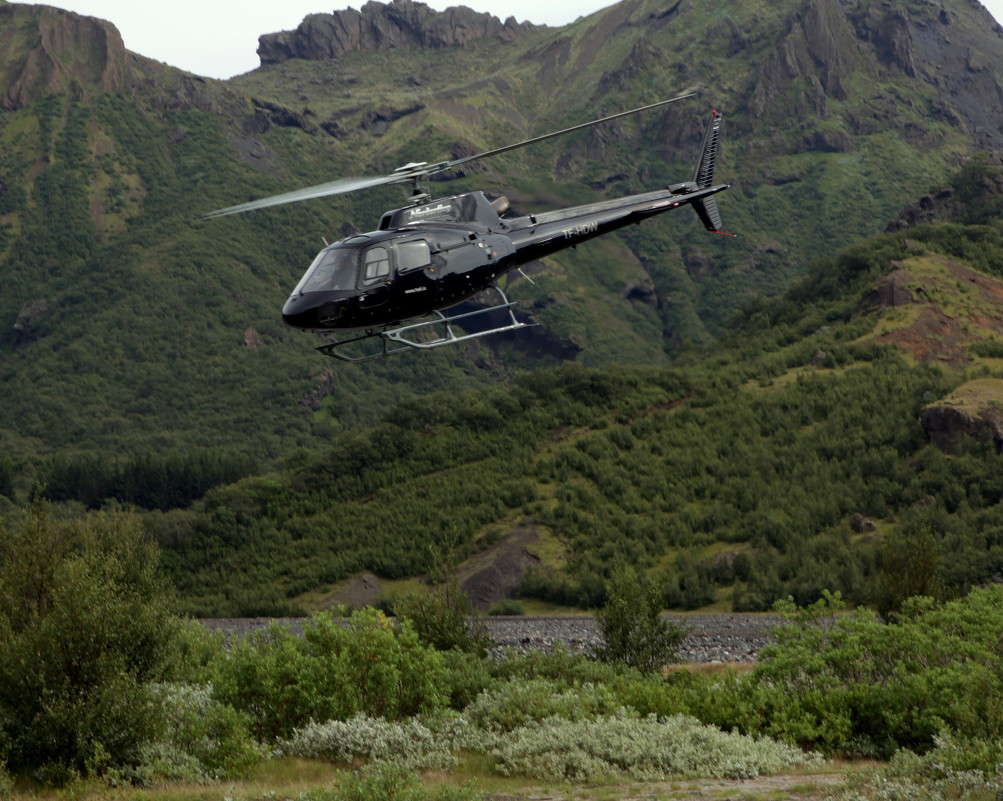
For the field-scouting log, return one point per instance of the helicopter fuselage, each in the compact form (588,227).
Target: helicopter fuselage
(436,254)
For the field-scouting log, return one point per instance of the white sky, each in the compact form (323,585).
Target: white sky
(219,38)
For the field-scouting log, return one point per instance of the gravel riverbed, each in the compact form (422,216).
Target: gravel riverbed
(712,637)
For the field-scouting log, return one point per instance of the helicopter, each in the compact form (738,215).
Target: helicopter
(379,288)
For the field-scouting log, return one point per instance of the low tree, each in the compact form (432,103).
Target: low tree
(631,622)
(445,618)
(85,626)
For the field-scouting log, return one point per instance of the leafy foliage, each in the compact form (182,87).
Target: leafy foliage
(84,628)
(202,740)
(444,618)
(855,683)
(332,672)
(150,482)
(632,627)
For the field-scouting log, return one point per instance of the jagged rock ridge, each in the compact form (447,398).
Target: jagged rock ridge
(401,23)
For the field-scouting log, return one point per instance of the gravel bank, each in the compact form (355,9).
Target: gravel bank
(713,638)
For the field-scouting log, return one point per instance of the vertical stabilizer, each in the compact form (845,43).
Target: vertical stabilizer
(703,177)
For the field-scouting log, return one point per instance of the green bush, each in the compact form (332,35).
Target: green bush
(337,669)
(953,770)
(632,626)
(85,626)
(389,781)
(466,675)
(853,683)
(507,606)
(445,618)
(559,665)
(203,740)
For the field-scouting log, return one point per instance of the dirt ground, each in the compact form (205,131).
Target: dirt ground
(796,787)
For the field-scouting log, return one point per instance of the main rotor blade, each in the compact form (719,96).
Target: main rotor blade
(410,172)
(338,187)
(450,164)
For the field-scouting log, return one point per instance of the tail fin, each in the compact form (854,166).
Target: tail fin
(706,209)
(704,175)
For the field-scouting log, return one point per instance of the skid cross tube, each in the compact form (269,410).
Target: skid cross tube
(399,335)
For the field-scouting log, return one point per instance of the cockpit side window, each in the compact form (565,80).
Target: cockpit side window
(334,268)
(413,255)
(377,263)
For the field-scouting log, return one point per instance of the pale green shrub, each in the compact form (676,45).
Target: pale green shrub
(202,740)
(519,703)
(409,743)
(956,769)
(646,749)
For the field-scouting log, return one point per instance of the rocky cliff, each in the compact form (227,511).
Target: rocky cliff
(401,23)
(46,51)
(828,47)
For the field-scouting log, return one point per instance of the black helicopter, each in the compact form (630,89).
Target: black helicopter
(435,253)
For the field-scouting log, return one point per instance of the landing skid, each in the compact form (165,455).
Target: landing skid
(404,338)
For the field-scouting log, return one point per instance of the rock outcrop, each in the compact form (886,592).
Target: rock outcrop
(401,23)
(45,51)
(975,409)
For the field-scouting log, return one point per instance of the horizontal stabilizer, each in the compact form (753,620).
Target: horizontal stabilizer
(708,214)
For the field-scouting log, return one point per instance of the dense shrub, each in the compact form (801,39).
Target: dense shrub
(854,683)
(520,703)
(954,770)
(648,748)
(337,669)
(409,742)
(202,740)
(466,675)
(389,781)
(85,627)
(444,618)
(559,665)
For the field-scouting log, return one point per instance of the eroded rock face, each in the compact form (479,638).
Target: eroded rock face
(975,409)
(827,45)
(46,51)
(401,23)
(816,53)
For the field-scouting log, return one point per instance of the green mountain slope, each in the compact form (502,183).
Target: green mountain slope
(130,329)
(793,456)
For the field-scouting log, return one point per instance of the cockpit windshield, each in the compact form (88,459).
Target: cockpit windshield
(334,268)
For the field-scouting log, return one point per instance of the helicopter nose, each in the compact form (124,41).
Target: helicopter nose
(300,311)
(312,312)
